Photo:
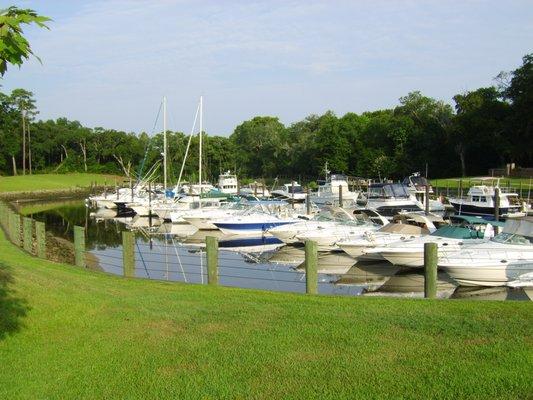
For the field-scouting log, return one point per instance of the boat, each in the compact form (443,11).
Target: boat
(404,227)
(203,218)
(257,220)
(329,216)
(416,186)
(388,199)
(494,263)
(290,192)
(449,238)
(227,183)
(255,189)
(330,191)
(480,200)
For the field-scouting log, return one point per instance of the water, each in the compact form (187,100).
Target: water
(177,253)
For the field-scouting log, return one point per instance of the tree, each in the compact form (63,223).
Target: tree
(520,123)
(25,104)
(14,48)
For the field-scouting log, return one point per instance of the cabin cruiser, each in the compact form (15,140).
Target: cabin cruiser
(184,202)
(290,192)
(504,258)
(389,199)
(416,187)
(450,238)
(480,200)
(256,189)
(329,192)
(403,227)
(203,218)
(227,183)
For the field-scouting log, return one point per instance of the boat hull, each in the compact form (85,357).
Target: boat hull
(248,228)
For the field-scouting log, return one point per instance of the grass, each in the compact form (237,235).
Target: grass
(71,333)
(53,181)
(453,183)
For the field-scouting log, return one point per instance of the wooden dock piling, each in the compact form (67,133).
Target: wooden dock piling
(128,253)
(311,267)
(79,246)
(430,268)
(211,245)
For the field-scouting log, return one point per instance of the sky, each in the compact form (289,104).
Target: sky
(109,63)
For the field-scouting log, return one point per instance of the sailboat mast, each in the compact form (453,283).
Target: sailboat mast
(165,143)
(200,158)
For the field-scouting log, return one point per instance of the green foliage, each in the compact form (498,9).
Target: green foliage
(14,48)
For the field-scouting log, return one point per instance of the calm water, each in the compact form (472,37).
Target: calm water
(176,253)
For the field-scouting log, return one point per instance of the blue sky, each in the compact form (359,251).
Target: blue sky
(108,63)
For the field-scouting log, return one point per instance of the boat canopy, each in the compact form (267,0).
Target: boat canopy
(388,190)
(473,220)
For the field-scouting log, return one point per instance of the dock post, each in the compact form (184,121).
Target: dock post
(426,198)
(128,253)
(79,246)
(27,229)
(520,190)
(496,204)
(448,188)
(308,202)
(116,188)
(40,236)
(460,189)
(311,266)
(292,194)
(340,196)
(131,189)
(211,245)
(430,267)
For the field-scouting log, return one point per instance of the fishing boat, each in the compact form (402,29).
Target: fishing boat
(480,200)
(227,183)
(332,189)
(290,192)
(494,263)
(416,187)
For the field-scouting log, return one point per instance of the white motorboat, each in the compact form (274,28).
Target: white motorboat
(256,189)
(327,236)
(389,199)
(451,238)
(290,192)
(227,183)
(329,216)
(203,218)
(404,227)
(329,192)
(494,263)
(416,186)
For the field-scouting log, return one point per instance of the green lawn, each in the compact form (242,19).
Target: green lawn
(453,183)
(71,333)
(53,181)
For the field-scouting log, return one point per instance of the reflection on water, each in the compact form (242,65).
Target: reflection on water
(176,252)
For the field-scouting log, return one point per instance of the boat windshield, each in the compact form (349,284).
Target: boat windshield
(388,191)
(294,189)
(513,238)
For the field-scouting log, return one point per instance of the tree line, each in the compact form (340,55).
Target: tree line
(484,128)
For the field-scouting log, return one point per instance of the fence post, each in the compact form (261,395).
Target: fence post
(40,236)
(128,253)
(15,229)
(426,198)
(311,266)
(496,204)
(211,245)
(308,201)
(430,267)
(79,246)
(27,235)
(340,196)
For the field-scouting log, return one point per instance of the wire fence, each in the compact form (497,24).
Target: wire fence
(168,259)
